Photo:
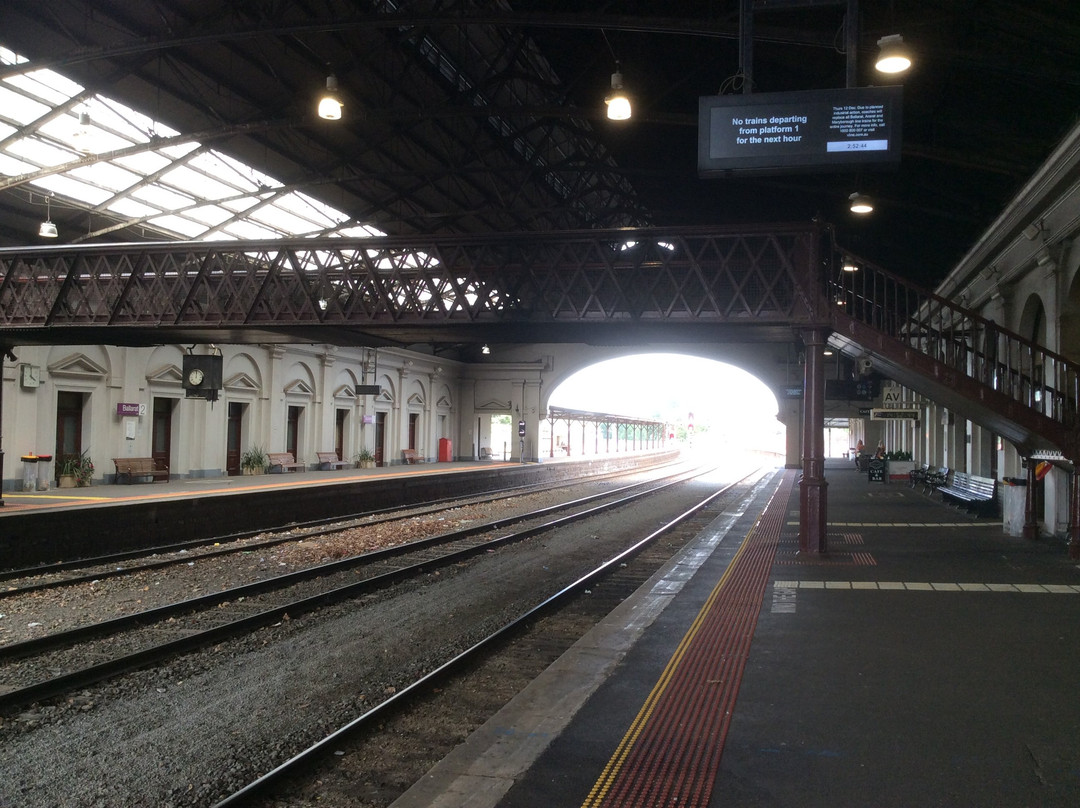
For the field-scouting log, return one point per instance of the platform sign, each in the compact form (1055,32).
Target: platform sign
(125,409)
(882,414)
(805,130)
(892,397)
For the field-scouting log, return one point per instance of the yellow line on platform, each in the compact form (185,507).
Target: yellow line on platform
(930,586)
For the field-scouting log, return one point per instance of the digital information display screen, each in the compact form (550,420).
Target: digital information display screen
(801,131)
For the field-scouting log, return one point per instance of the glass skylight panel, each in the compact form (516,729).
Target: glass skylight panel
(144,163)
(132,209)
(107,175)
(246,229)
(163,198)
(210,215)
(230,170)
(20,109)
(128,122)
(50,87)
(201,185)
(284,222)
(39,152)
(360,231)
(179,224)
(240,205)
(12,167)
(65,185)
(204,194)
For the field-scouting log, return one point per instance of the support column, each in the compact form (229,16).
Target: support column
(813,489)
(1074,515)
(5,352)
(1031,522)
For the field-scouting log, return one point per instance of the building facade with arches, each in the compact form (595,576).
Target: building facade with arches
(1023,274)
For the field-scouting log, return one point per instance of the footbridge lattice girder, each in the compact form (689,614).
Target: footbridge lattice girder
(609,277)
(777,282)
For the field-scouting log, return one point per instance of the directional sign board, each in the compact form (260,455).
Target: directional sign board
(882,414)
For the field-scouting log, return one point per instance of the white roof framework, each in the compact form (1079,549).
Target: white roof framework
(88,151)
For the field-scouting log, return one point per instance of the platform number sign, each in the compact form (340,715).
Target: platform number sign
(521,428)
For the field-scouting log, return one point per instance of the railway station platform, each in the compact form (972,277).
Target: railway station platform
(58,525)
(16,502)
(927,660)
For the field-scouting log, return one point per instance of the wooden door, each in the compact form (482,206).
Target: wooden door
(380,437)
(161,437)
(69,411)
(234,438)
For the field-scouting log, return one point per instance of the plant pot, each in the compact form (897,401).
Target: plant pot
(66,481)
(248,472)
(900,469)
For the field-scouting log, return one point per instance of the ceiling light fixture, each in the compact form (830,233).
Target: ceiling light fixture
(860,203)
(894,56)
(82,137)
(48,229)
(329,104)
(849,266)
(618,102)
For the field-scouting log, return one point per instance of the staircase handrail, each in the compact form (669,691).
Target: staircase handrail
(946,331)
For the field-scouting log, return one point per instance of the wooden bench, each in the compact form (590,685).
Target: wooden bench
(410,456)
(132,467)
(285,461)
(330,460)
(970,491)
(485,453)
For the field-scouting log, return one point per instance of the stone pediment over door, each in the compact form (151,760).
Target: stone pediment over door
(167,376)
(77,366)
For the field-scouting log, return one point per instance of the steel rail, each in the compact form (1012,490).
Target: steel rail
(422,684)
(334,525)
(86,676)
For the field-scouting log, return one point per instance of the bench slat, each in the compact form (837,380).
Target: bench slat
(284,460)
(133,467)
(331,459)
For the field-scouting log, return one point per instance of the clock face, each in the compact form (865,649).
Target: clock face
(31,376)
(195,377)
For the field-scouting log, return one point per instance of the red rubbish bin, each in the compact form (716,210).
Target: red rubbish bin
(446,450)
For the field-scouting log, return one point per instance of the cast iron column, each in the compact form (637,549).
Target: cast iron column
(4,351)
(1074,515)
(813,489)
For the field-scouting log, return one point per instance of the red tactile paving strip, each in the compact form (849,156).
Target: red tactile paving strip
(671,753)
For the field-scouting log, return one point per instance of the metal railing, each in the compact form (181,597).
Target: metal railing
(1043,381)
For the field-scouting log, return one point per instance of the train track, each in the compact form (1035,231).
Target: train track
(15,582)
(595,593)
(150,636)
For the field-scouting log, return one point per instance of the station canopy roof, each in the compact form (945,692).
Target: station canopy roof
(195,119)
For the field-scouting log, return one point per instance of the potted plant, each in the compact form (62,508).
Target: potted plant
(254,461)
(900,465)
(76,470)
(365,459)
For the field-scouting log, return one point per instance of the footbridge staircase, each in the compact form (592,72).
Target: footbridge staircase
(997,379)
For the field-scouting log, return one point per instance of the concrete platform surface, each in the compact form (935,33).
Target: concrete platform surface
(926,660)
